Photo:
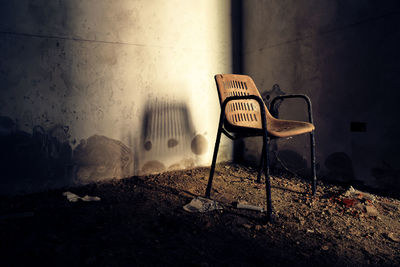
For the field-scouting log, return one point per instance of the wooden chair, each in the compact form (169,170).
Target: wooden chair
(244,114)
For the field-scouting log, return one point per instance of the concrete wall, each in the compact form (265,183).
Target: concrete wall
(96,89)
(345,55)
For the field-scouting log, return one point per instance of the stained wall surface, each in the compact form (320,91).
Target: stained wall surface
(93,90)
(345,55)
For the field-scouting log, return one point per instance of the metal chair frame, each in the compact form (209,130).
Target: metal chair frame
(264,161)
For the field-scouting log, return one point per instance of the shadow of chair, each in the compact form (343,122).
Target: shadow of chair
(244,114)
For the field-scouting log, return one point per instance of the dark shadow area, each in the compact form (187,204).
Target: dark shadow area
(290,160)
(387,175)
(45,159)
(269,95)
(36,161)
(346,60)
(291,165)
(237,35)
(340,167)
(140,221)
(237,61)
(36,152)
(364,62)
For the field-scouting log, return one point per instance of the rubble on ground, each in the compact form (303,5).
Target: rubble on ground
(140,221)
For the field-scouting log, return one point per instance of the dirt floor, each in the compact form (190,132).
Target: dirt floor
(140,221)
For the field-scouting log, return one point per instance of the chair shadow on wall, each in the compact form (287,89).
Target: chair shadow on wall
(168,140)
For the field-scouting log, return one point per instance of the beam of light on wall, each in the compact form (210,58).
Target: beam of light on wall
(89,72)
(152,53)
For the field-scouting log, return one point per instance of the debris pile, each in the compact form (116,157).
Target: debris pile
(356,203)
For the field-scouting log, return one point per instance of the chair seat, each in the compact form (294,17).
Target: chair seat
(286,128)
(276,128)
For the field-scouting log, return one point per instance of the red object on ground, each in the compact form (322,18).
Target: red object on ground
(349,202)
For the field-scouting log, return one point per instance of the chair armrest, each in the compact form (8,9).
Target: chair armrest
(306,98)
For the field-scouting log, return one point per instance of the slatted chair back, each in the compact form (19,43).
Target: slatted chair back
(241,113)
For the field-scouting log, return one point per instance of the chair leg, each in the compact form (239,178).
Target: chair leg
(267,180)
(214,160)
(313,162)
(261,167)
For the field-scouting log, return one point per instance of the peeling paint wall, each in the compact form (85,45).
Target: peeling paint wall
(345,55)
(93,90)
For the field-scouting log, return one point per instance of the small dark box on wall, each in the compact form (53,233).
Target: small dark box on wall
(356,126)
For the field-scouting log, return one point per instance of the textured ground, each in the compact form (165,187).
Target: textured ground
(140,221)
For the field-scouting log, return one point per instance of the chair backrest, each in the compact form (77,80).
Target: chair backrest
(242,113)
